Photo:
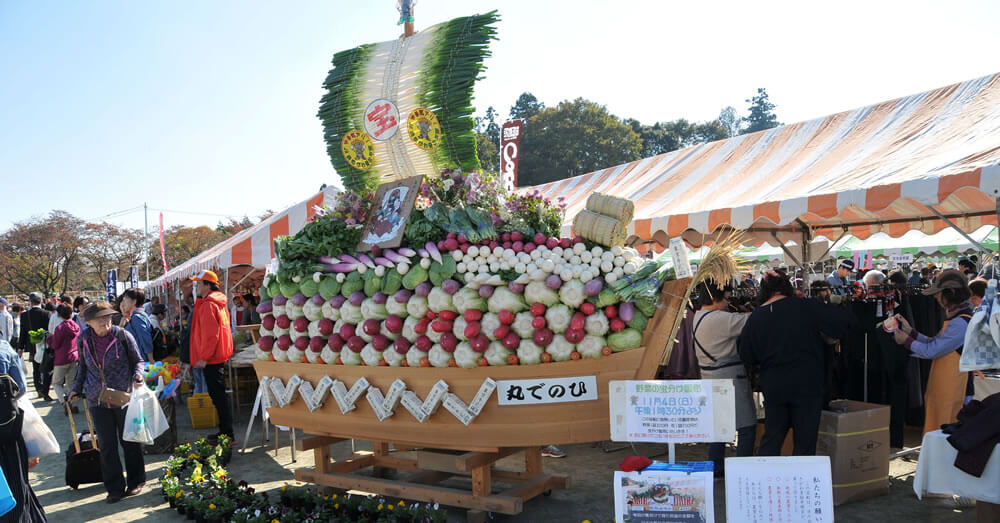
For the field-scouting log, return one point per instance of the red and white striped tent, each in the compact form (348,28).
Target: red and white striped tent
(252,248)
(888,167)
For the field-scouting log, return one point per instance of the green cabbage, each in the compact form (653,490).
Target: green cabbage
(391,282)
(467,298)
(328,288)
(625,340)
(289,289)
(309,288)
(415,276)
(639,321)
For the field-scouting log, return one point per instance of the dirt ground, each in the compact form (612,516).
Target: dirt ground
(589,467)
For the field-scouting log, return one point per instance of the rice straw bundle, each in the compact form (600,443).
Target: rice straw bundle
(620,209)
(598,228)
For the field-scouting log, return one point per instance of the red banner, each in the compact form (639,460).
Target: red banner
(163,250)
(510,149)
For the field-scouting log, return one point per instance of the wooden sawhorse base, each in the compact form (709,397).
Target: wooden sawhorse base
(428,468)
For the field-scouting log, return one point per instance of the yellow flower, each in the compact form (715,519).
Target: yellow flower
(275,521)
(401,503)
(284,488)
(380,506)
(179,493)
(334,497)
(169,474)
(390,507)
(336,505)
(586,521)
(211,506)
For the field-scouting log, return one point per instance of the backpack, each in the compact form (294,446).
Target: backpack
(160,348)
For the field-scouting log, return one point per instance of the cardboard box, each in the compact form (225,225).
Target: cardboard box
(856,437)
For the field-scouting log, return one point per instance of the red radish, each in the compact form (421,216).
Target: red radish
(431,315)
(461,238)
(538,322)
(356,343)
(451,236)
(507,245)
(501,332)
(517,246)
(473,315)
(380,342)
(326,326)
(421,326)
(617,325)
(552,243)
(472,329)
(448,315)
(507,236)
(515,236)
(376,250)
(565,243)
(441,326)
(371,327)
(449,341)
(266,343)
(587,308)
(302,342)
(577,239)
(511,340)
(575,335)
(424,343)
(542,337)
(480,343)
(578,321)
(284,341)
(394,324)
(440,245)
(347,331)
(540,238)
(611,311)
(402,345)
(301,325)
(464,248)
(316,343)
(529,247)
(284,321)
(537,309)
(450,244)
(494,244)
(335,343)
(268,322)
(506,317)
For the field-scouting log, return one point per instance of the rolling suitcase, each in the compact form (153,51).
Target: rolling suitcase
(83,457)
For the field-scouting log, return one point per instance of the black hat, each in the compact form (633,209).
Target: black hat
(847,264)
(948,279)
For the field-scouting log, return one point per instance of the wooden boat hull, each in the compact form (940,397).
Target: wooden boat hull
(496,426)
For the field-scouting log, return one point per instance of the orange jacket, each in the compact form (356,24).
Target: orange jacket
(211,334)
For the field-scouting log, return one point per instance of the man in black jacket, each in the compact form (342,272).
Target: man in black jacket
(33,319)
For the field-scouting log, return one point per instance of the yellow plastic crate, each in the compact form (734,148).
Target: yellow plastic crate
(202,410)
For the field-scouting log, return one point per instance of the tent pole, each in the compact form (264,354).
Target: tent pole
(247,275)
(787,252)
(956,227)
(841,237)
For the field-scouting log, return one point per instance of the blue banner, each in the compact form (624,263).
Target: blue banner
(111,287)
(133,276)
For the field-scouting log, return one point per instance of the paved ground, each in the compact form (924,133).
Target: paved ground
(589,498)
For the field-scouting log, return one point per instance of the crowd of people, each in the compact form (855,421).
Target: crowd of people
(98,352)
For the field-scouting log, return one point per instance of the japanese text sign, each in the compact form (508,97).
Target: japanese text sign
(510,149)
(672,411)
(111,285)
(381,119)
(679,255)
(791,489)
(664,495)
(547,390)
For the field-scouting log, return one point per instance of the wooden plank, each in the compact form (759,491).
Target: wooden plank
(440,461)
(429,477)
(496,427)
(482,482)
(533,460)
(322,458)
(427,493)
(533,487)
(314,442)
(661,333)
(470,460)
(393,462)
(503,474)
(351,464)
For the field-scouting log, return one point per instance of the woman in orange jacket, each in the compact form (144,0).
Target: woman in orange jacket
(212,344)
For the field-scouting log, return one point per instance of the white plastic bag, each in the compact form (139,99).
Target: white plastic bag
(39,353)
(38,438)
(144,419)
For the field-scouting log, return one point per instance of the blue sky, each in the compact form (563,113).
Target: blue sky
(209,107)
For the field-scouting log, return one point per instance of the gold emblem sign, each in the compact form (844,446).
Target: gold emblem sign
(423,128)
(358,149)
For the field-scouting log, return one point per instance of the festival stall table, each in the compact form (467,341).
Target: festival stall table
(936,474)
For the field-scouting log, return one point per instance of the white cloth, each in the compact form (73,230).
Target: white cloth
(54,321)
(986,387)
(6,326)
(936,472)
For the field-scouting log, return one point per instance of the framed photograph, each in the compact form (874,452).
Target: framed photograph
(387,219)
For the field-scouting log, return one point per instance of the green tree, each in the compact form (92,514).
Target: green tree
(526,106)
(575,137)
(489,154)
(731,120)
(663,137)
(43,254)
(181,244)
(761,115)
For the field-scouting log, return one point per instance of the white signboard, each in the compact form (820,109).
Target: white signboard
(679,255)
(791,489)
(381,119)
(897,259)
(672,411)
(664,495)
(547,390)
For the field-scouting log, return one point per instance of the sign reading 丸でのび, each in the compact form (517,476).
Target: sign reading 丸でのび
(547,390)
